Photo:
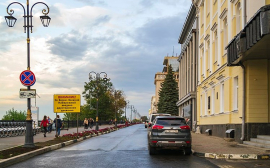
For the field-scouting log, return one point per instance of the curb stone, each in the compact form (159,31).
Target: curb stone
(25,156)
(232,156)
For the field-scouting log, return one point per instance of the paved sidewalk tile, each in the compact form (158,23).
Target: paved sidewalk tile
(216,147)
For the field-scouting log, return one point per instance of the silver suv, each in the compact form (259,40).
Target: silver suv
(169,132)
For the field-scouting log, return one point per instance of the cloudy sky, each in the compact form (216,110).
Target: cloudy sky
(127,39)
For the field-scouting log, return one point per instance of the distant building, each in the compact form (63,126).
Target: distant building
(153,105)
(160,77)
(188,68)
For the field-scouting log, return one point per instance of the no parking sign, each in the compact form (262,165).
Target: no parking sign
(27,78)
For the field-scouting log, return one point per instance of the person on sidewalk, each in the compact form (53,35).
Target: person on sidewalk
(85,123)
(45,124)
(50,125)
(58,123)
(91,122)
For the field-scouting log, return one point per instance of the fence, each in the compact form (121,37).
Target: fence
(15,128)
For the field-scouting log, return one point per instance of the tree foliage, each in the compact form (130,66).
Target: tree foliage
(109,102)
(144,118)
(168,94)
(14,115)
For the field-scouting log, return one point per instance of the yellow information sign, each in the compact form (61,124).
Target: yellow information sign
(67,103)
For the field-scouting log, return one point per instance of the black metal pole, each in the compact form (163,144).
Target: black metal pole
(131,113)
(97,115)
(115,122)
(125,112)
(97,75)
(29,139)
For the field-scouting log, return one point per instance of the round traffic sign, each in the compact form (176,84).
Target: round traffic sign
(27,78)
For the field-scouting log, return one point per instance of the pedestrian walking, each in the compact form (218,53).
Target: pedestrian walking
(50,125)
(85,123)
(91,122)
(44,123)
(58,123)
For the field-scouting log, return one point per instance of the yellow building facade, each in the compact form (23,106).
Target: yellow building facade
(231,94)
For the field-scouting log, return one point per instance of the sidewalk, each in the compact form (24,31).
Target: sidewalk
(20,140)
(218,148)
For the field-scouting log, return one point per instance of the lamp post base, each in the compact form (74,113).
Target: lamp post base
(97,126)
(29,139)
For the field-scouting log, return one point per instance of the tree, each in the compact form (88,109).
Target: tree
(109,101)
(144,118)
(168,94)
(14,115)
(117,104)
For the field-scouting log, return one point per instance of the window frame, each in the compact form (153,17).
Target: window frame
(236,93)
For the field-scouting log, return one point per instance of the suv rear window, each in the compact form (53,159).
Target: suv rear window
(154,116)
(170,121)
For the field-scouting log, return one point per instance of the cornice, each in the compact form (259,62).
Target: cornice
(187,97)
(190,19)
(202,3)
(206,37)
(201,45)
(221,16)
(220,77)
(214,26)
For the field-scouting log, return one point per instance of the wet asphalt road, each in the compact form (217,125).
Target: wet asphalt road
(125,148)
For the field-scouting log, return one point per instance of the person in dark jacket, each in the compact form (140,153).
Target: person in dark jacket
(58,125)
(91,122)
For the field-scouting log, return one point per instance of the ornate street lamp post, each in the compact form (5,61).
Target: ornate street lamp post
(115,108)
(135,112)
(29,140)
(96,76)
(126,106)
(131,107)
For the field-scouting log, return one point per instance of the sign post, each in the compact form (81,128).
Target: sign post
(67,103)
(28,79)
(25,93)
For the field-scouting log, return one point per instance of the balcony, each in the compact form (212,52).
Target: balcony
(253,41)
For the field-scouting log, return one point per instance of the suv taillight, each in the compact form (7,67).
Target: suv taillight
(186,127)
(157,127)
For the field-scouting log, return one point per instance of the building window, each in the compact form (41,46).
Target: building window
(208,54)
(213,101)
(205,104)
(225,33)
(201,108)
(238,23)
(216,45)
(209,104)
(222,98)
(235,93)
(202,15)
(208,7)
(203,63)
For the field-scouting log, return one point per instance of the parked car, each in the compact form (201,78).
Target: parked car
(153,116)
(146,123)
(169,132)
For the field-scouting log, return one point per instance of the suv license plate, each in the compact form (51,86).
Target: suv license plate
(171,131)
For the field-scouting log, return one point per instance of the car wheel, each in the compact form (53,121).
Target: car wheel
(152,150)
(188,151)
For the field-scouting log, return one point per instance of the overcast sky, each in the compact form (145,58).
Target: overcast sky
(127,39)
